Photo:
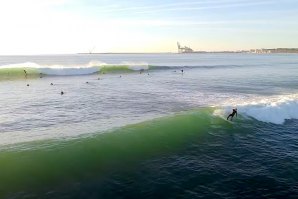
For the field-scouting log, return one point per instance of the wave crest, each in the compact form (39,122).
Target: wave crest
(274,110)
(34,69)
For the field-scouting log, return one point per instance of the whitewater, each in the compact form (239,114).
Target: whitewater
(130,121)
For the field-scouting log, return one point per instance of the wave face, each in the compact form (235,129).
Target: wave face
(35,70)
(48,163)
(93,67)
(210,150)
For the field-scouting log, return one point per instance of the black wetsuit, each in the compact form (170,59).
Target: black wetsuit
(232,114)
(25,73)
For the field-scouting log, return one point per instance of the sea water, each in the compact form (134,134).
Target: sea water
(149,125)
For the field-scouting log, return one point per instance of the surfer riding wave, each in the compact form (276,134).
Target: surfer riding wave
(232,114)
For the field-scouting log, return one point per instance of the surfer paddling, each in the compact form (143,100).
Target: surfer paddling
(232,114)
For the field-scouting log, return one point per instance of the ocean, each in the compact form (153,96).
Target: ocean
(149,126)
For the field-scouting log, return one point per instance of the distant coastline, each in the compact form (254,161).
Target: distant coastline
(186,49)
(252,51)
(274,50)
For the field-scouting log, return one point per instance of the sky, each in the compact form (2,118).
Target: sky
(101,26)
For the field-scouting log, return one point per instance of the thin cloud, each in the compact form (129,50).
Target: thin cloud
(187,6)
(174,23)
(206,7)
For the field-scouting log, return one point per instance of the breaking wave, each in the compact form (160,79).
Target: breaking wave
(93,156)
(93,67)
(35,70)
(274,110)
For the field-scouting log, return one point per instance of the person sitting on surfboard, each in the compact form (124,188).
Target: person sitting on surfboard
(232,114)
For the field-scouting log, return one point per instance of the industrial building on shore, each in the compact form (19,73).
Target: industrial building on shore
(274,50)
(186,49)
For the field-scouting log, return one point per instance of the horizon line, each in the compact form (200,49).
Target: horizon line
(169,52)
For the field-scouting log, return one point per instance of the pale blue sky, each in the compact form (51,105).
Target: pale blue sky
(70,26)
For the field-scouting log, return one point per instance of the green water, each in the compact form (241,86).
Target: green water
(33,166)
(115,69)
(158,158)
(18,73)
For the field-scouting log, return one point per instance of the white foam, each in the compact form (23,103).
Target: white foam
(275,109)
(83,69)
(136,65)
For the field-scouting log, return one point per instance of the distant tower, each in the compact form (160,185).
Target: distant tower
(91,50)
(179,47)
(184,49)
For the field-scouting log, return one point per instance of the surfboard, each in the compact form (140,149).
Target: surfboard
(231,122)
(223,116)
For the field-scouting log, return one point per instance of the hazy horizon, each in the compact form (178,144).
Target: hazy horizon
(33,27)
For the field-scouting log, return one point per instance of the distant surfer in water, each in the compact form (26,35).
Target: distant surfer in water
(25,73)
(232,114)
